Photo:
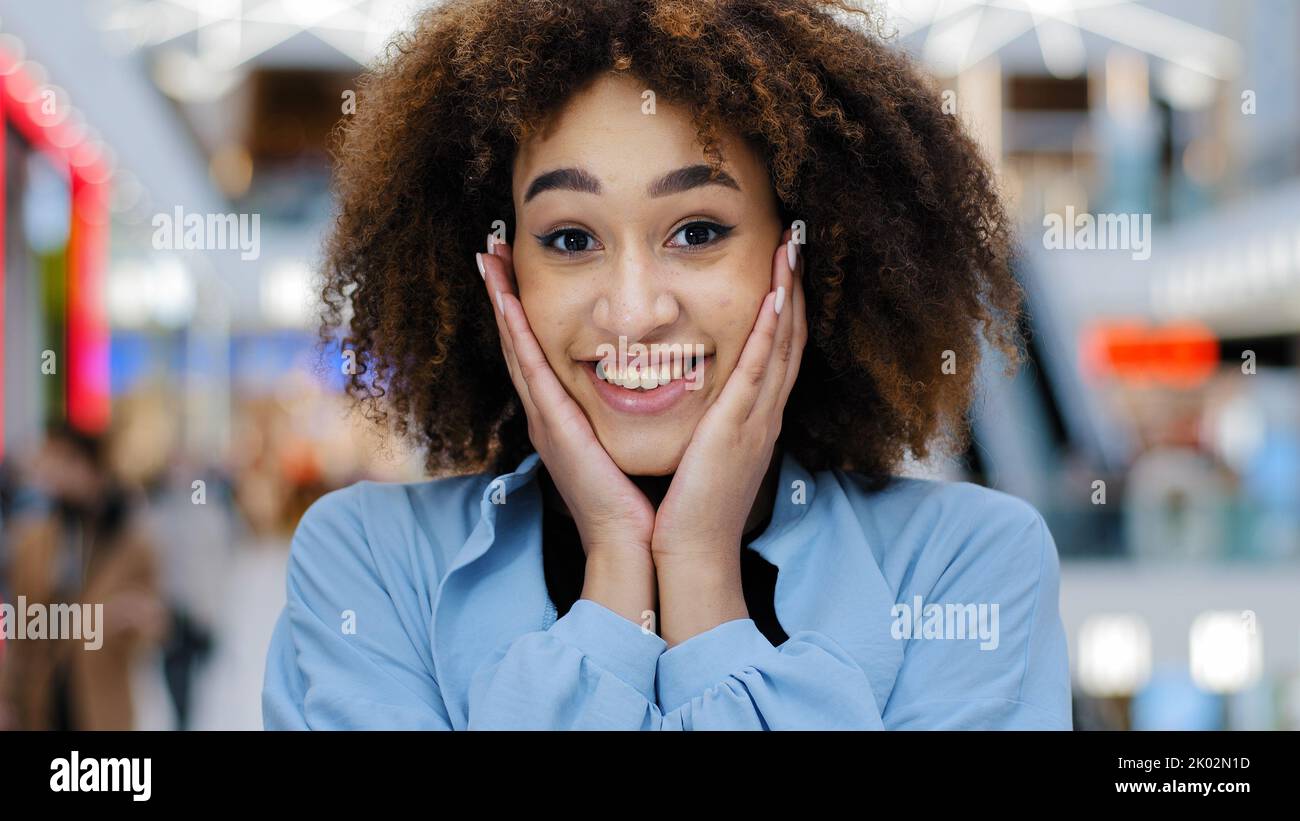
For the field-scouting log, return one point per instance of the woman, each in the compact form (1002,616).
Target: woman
(809,253)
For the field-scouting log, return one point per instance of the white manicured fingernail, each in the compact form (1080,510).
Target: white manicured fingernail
(780,299)
(791,253)
(491,238)
(501,308)
(478,260)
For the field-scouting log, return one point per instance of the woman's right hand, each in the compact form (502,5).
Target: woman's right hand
(615,520)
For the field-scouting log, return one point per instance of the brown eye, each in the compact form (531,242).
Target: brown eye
(695,234)
(567,240)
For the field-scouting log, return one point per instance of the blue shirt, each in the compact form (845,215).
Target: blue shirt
(423,606)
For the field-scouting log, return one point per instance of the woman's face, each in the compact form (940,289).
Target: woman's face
(620,237)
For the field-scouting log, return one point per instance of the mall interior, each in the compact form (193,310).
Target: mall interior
(1150,152)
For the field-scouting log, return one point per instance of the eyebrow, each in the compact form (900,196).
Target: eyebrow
(674,182)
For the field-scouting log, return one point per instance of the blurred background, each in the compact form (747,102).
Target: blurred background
(167,416)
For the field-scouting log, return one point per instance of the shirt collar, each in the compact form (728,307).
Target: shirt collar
(479,608)
(828,579)
(796,488)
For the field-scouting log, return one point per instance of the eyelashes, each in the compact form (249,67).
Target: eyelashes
(572,241)
(579,237)
(693,228)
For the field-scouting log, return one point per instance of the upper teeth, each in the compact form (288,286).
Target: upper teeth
(645,379)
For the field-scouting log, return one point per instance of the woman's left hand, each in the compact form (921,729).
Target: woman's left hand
(700,522)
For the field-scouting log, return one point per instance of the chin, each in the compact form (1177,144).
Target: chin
(647,455)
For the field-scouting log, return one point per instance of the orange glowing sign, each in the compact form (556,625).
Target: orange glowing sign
(1179,355)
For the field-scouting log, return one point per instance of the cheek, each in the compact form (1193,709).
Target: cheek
(733,316)
(736,320)
(735,309)
(545,321)
(554,313)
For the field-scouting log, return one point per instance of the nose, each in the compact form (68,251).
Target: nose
(635,299)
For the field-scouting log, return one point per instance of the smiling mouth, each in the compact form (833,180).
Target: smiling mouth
(648,378)
(648,392)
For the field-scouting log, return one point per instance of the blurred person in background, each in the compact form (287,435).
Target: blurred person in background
(83,545)
(190,531)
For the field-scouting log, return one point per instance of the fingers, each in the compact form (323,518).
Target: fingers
(551,404)
(791,333)
(498,277)
(770,360)
(743,386)
(545,398)
(800,333)
(502,250)
(782,347)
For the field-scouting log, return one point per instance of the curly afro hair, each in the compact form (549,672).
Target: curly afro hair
(908,253)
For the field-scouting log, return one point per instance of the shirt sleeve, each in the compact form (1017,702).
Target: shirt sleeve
(591,670)
(731,677)
(596,670)
(1011,670)
(349,650)
(1014,676)
(345,653)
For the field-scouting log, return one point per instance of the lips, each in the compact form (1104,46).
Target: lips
(651,392)
(647,377)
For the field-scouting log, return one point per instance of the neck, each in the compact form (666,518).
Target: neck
(656,487)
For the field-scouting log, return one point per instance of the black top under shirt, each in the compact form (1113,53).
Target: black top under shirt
(564,563)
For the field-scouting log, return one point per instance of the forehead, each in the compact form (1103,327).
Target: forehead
(610,129)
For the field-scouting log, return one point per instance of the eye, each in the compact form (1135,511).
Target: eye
(567,240)
(699,233)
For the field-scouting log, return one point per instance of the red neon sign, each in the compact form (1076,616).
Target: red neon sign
(1180,355)
(27,106)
